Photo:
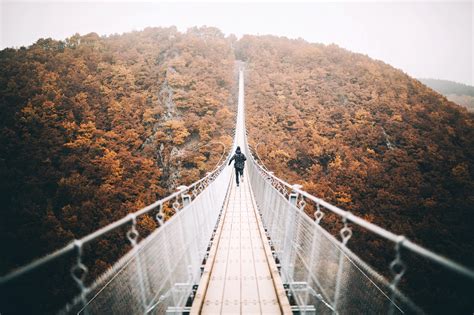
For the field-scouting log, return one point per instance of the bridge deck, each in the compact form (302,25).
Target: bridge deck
(240,276)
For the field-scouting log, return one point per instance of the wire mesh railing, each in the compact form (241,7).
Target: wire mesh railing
(156,274)
(322,273)
(161,272)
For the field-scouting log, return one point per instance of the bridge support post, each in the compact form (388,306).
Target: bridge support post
(132,236)
(289,238)
(185,198)
(346,234)
(293,198)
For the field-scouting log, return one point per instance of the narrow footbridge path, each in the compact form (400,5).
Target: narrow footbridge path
(241,276)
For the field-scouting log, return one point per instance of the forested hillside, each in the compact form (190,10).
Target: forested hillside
(370,139)
(94,128)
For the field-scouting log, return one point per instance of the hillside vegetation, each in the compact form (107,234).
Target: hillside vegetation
(93,128)
(372,140)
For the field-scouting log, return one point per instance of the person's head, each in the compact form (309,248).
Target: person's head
(237,150)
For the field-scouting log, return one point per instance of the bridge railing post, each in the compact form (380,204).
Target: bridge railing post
(188,233)
(290,249)
(294,195)
(398,268)
(132,236)
(346,233)
(78,273)
(185,198)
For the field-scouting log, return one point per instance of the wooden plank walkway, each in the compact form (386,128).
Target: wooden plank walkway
(240,276)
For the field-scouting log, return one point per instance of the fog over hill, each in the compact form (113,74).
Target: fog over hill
(459,93)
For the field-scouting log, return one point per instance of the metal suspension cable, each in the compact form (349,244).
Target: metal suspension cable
(224,149)
(255,149)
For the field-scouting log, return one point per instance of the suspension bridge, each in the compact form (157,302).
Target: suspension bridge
(250,249)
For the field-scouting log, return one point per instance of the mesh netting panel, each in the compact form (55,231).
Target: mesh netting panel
(159,273)
(311,260)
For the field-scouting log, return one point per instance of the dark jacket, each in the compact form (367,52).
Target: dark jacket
(239,159)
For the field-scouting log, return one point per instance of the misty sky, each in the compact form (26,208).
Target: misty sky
(424,39)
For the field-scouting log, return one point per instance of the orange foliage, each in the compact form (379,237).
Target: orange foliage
(368,138)
(93,128)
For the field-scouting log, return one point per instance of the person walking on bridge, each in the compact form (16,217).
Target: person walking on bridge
(239,163)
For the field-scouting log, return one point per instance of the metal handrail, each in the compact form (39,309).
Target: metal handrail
(130,218)
(398,239)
